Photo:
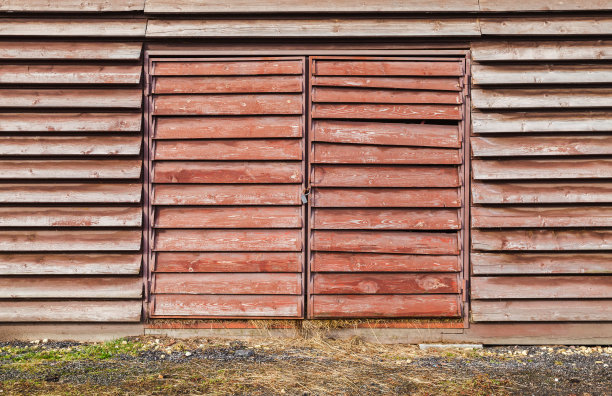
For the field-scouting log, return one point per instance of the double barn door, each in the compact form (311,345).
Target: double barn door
(295,187)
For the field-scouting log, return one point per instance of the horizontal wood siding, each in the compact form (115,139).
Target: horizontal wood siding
(70,173)
(541,197)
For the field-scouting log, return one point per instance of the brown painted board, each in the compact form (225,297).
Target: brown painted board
(367,95)
(546,26)
(380,197)
(227,84)
(545,217)
(524,98)
(85,240)
(65,216)
(541,146)
(240,67)
(519,287)
(542,240)
(229,217)
(70,74)
(53,50)
(425,83)
(545,5)
(387,111)
(386,219)
(385,242)
(72,5)
(228,240)
(234,283)
(549,121)
(70,264)
(540,263)
(542,311)
(532,193)
(399,134)
(70,122)
(73,27)
(542,169)
(541,50)
(540,74)
(228,262)
(366,154)
(240,104)
(227,305)
(385,306)
(371,262)
(71,311)
(77,145)
(228,127)
(70,193)
(244,149)
(226,172)
(384,176)
(71,98)
(333,67)
(70,287)
(70,169)
(385,283)
(222,194)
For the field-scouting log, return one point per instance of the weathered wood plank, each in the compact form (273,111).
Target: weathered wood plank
(72,5)
(384,176)
(70,193)
(541,50)
(540,74)
(78,145)
(228,68)
(386,68)
(227,104)
(70,122)
(541,311)
(566,121)
(531,193)
(70,169)
(385,242)
(85,240)
(378,197)
(519,287)
(542,240)
(367,95)
(75,27)
(226,195)
(228,127)
(49,50)
(71,98)
(546,26)
(228,262)
(536,263)
(384,283)
(70,264)
(231,84)
(524,98)
(227,305)
(229,240)
(71,311)
(234,283)
(386,219)
(368,262)
(231,217)
(387,111)
(256,149)
(395,306)
(387,133)
(329,153)
(70,74)
(545,5)
(545,217)
(542,169)
(348,27)
(226,172)
(541,146)
(431,83)
(70,287)
(64,216)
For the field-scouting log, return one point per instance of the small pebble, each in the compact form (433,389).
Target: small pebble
(187,353)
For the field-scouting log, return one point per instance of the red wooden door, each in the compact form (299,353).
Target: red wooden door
(227,173)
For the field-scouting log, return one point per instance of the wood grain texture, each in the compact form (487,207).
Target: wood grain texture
(422,82)
(542,169)
(227,127)
(52,50)
(184,194)
(61,27)
(550,121)
(229,217)
(70,169)
(70,74)
(546,26)
(383,176)
(362,154)
(243,149)
(538,240)
(517,287)
(532,193)
(227,104)
(71,98)
(72,5)
(228,240)
(77,145)
(71,311)
(544,217)
(367,95)
(541,50)
(227,305)
(64,216)
(70,122)
(386,219)
(70,193)
(387,111)
(228,262)
(545,5)
(542,311)
(396,306)
(368,262)
(226,172)
(384,283)
(379,197)
(540,98)
(228,68)
(541,146)
(85,240)
(236,283)
(385,242)
(386,68)
(537,263)
(70,264)
(540,74)
(233,84)
(70,287)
